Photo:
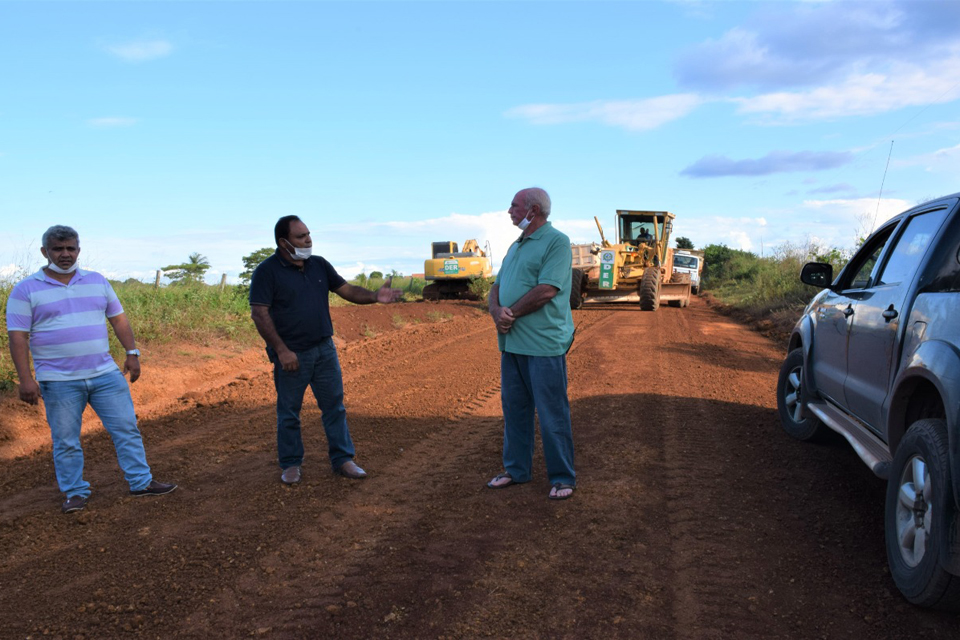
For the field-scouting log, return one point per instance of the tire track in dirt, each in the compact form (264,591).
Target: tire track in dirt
(705,564)
(389,517)
(693,517)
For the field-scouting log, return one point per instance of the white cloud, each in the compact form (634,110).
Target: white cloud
(946,160)
(10,272)
(141,50)
(111,122)
(862,94)
(855,216)
(633,115)
(791,44)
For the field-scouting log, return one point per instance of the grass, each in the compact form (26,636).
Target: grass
(765,288)
(193,314)
(412,288)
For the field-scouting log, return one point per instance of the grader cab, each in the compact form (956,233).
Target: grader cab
(637,267)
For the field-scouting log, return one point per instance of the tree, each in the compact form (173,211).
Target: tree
(376,275)
(684,243)
(190,271)
(253,261)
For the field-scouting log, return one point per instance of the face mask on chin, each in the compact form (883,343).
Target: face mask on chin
(57,269)
(299,253)
(523,224)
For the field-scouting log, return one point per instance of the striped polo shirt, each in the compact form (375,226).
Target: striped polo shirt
(67,324)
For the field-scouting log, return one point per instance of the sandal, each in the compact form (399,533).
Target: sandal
(558,487)
(492,484)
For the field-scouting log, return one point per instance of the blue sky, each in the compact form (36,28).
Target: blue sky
(159,129)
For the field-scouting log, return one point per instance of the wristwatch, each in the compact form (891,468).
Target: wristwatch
(133,352)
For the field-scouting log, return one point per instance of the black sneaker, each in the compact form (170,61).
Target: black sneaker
(75,503)
(154,489)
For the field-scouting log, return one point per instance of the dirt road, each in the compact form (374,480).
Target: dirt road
(695,517)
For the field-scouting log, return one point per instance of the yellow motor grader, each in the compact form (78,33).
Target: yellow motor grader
(449,270)
(637,267)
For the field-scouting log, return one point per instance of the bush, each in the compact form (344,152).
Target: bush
(762,285)
(480,287)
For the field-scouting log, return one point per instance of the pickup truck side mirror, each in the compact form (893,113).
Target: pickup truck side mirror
(817,274)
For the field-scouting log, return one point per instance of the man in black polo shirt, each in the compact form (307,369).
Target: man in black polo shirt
(289,305)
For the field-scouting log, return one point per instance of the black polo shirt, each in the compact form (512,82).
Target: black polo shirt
(297,298)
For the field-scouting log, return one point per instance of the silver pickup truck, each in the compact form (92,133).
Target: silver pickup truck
(876,358)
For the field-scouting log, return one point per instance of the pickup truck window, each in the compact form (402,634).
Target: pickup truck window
(866,259)
(910,247)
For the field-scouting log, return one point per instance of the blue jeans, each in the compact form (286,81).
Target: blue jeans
(528,384)
(320,369)
(109,395)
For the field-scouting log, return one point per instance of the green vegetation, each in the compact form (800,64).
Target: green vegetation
(189,312)
(480,287)
(684,243)
(253,261)
(190,272)
(7,373)
(762,285)
(194,313)
(438,316)
(412,287)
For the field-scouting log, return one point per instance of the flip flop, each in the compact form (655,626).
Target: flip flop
(559,486)
(501,476)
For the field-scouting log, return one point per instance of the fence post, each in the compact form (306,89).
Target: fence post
(156,283)
(223,281)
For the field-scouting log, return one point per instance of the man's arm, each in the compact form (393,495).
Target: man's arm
(121,327)
(359,295)
(268,331)
(534,300)
(502,316)
(20,352)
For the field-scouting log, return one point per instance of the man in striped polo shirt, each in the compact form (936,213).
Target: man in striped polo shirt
(59,315)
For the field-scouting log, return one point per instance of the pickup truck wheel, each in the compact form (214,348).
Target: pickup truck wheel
(789,383)
(919,512)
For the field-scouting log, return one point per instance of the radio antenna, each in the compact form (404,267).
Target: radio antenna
(881,187)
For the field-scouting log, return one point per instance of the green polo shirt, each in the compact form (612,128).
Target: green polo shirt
(543,257)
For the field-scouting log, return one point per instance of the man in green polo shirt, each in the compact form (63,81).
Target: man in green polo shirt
(530,306)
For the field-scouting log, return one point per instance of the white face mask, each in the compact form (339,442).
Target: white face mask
(523,224)
(299,253)
(57,269)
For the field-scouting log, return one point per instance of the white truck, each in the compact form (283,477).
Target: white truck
(689,261)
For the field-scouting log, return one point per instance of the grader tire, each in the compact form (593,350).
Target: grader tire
(576,289)
(649,289)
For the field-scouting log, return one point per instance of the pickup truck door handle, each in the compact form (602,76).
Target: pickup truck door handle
(848,311)
(890,313)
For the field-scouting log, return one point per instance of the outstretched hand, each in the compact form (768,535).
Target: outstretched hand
(386,295)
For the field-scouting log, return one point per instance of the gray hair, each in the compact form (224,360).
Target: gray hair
(59,233)
(536,195)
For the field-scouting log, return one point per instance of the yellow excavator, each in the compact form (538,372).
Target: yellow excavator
(450,270)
